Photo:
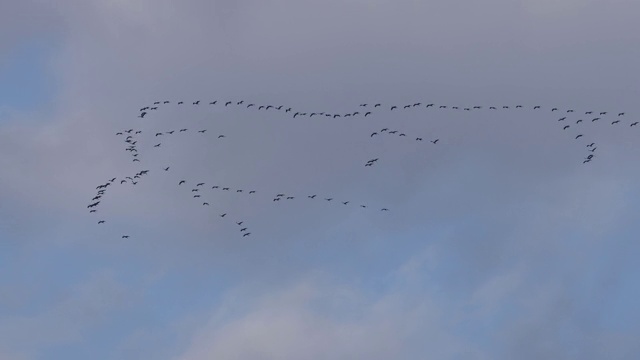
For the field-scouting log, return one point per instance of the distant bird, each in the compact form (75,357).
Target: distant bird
(554,109)
(590,145)
(579,136)
(238,191)
(375,133)
(435,141)
(402,135)
(279,195)
(250,105)
(246,234)
(367,113)
(594,149)
(536,107)
(384,209)
(240,222)
(194,190)
(101,222)
(376,105)
(181,182)
(595,119)
(202,131)
(180,102)
(196,102)
(181,130)
(220,136)
(570,110)
(345,202)
(243,229)
(579,121)
(589,112)
(634,123)
(418,139)
(603,113)
(199,184)
(362,206)
(92,211)
(196,196)
(620,114)
(311,196)
(142,114)
(225,188)
(125,236)
(223,215)
(615,122)
(157,145)
(329,199)
(158,134)
(118,133)
(290,197)
(205,203)
(136,160)
(213,102)
(215,187)
(394,107)
(166,169)
(252,192)
(170,132)
(227,103)
(562,118)
(566,127)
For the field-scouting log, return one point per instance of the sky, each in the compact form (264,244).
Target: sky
(499,242)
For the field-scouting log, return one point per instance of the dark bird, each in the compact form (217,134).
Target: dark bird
(180,102)
(634,123)
(202,131)
(367,113)
(112,180)
(590,145)
(385,129)
(196,196)
(243,229)
(311,196)
(181,182)
(240,102)
(252,192)
(199,184)
(603,113)
(376,105)
(136,160)
(92,211)
(213,102)
(240,222)
(125,236)
(554,109)
(579,136)
(505,107)
(170,132)
(443,106)
(345,202)
(562,118)
(215,187)
(594,149)
(205,203)
(166,102)
(139,132)
(570,110)
(336,115)
(287,110)
(238,191)
(329,199)
(393,132)
(276,199)
(260,107)
(589,112)
(394,107)
(375,133)
(250,105)
(435,141)
(196,102)
(223,215)
(220,136)
(536,107)
(246,234)
(227,103)
(615,122)
(181,130)
(158,134)
(142,114)
(156,103)
(384,209)
(595,119)
(279,195)
(101,222)
(289,197)
(402,135)
(620,114)
(225,188)
(119,133)
(362,206)
(157,145)
(194,190)
(579,121)
(418,139)
(566,127)
(166,169)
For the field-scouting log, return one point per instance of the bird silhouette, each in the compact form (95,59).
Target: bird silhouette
(243,229)
(579,121)
(202,131)
(345,202)
(620,114)
(566,127)
(246,234)
(101,222)
(367,113)
(166,169)
(375,133)
(205,203)
(418,139)
(384,209)
(579,136)
(311,196)
(376,105)
(328,199)
(240,222)
(435,141)
(225,188)
(196,196)
(125,236)
(223,215)
(196,102)
(252,192)
(181,182)
(220,136)
(615,122)
(634,123)
(394,107)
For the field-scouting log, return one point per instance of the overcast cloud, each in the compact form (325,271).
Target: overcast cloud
(500,242)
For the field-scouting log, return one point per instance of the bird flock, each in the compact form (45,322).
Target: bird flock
(569,122)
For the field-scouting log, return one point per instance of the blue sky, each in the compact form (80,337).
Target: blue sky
(500,243)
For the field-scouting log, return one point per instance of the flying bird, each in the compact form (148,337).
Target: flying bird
(634,123)
(205,203)
(196,102)
(367,113)
(311,196)
(223,215)
(240,222)
(246,234)
(394,107)
(101,222)
(181,182)
(125,236)
(615,122)
(220,136)
(620,114)
(579,136)
(243,229)
(166,169)
(566,127)
(202,131)
(435,141)
(375,133)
